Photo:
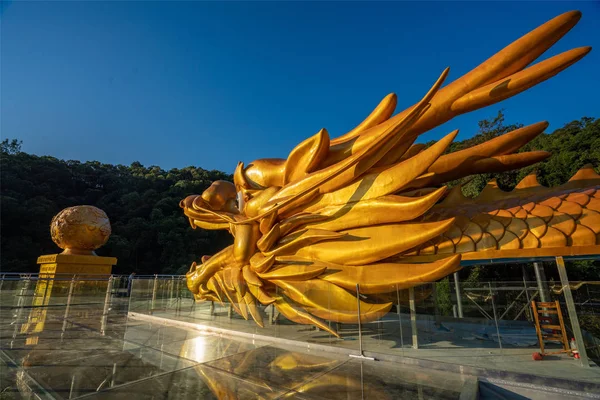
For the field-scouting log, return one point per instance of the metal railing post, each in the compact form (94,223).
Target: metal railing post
(525,286)
(21,304)
(360,344)
(154,289)
(399,317)
(566,289)
(45,290)
(106,305)
(68,307)
(359,324)
(413,317)
(129,292)
(271,314)
(171,286)
(178,301)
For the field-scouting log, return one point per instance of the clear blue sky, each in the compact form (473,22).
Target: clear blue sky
(213,83)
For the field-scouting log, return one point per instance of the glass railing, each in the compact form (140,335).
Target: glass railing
(494,326)
(479,324)
(170,298)
(30,301)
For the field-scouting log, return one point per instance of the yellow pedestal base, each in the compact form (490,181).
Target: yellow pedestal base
(56,272)
(71,264)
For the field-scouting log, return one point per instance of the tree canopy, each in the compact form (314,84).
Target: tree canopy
(151,235)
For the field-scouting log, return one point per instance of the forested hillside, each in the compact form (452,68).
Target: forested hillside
(150,233)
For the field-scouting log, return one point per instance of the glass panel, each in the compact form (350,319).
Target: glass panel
(385,335)
(140,295)
(586,299)
(57,316)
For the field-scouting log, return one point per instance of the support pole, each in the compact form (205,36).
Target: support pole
(525,285)
(413,317)
(540,277)
(566,289)
(360,349)
(492,294)
(458,298)
(359,325)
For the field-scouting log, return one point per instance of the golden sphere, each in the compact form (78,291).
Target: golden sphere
(80,229)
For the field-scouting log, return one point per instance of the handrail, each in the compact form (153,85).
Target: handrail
(558,289)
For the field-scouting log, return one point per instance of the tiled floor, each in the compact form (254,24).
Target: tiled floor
(140,360)
(454,345)
(55,353)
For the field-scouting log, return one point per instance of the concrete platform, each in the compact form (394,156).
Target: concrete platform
(183,352)
(79,356)
(449,349)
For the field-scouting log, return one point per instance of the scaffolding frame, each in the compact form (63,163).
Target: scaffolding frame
(564,283)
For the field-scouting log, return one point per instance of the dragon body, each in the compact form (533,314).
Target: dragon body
(370,209)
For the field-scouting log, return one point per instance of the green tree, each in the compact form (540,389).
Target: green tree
(11,147)
(150,234)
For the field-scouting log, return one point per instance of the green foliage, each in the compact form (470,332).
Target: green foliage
(584,270)
(473,278)
(572,146)
(443,299)
(150,234)
(11,147)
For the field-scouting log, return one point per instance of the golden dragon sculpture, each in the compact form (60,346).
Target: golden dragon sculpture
(371,207)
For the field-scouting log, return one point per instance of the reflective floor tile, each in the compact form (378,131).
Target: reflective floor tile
(382,381)
(205,348)
(157,335)
(8,379)
(39,350)
(89,375)
(14,384)
(200,382)
(274,366)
